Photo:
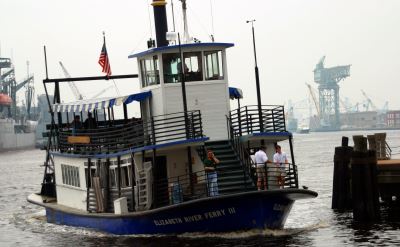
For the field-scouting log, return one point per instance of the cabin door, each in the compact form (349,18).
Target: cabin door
(161,181)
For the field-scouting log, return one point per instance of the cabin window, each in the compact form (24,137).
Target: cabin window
(113,179)
(172,67)
(92,174)
(213,65)
(70,175)
(126,174)
(150,72)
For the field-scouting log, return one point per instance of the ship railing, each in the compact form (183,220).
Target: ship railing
(245,120)
(152,131)
(276,175)
(177,189)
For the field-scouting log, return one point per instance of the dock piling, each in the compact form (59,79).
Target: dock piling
(364,189)
(341,194)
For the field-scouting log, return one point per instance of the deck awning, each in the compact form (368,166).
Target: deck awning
(100,103)
(235,93)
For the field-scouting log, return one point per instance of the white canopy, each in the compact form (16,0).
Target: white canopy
(101,103)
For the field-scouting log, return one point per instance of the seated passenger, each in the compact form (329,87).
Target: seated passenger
(76,124)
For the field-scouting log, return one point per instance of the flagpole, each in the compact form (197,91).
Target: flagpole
(115,85)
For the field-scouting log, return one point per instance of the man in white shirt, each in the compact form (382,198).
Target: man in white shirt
(280,159)
(261,161)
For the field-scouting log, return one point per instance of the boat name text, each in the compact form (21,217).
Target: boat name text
(196,217)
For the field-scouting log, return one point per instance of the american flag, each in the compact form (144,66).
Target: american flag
(104,61)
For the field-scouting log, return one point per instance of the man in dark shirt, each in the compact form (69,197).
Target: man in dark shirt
(210,165)
(90,122)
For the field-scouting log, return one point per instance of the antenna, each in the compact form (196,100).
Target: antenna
(45,64)
(212,22)
(150,27)
(173,15)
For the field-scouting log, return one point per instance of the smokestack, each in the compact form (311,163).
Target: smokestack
(160,22)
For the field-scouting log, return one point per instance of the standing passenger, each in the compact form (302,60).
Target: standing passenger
(280,159)
(261,161)
(210,165)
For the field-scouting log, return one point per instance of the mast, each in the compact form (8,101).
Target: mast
(185,25)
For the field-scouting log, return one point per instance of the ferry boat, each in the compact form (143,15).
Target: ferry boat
(145,175)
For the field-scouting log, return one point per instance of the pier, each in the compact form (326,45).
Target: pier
(365,176)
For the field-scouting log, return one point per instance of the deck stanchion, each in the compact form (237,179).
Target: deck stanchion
(107,192)
(133,179)
(341,194)
(119,175)
(293,162)
(88,184)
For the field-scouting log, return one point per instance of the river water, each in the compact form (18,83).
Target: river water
(311,222)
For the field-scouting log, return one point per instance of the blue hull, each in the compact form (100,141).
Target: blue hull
(251,210)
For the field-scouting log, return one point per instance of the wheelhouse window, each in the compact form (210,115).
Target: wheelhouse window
(172,67)
(150,72)
(70,175)
(213,65)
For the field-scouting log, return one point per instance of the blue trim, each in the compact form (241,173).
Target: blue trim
(165,48)
(157,146)
(132,150)
(235,93)
(137,97)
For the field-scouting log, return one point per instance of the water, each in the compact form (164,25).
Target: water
(311,222)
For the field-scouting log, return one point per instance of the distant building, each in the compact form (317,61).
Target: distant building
(393,119)
(361,120)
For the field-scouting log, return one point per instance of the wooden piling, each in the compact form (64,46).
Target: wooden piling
(380,140)
(341,191)
(371,142)
(364,197)
(373,165)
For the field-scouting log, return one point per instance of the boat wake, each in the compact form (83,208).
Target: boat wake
(35,221)
(257,233)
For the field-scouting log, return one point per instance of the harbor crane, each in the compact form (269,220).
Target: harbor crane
(9,85)
(328,79)
(314,99)
(71,84)
(369,102)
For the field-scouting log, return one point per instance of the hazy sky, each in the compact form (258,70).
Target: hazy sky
(291,36)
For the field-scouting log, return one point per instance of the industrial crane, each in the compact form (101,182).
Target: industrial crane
(328,80)
(314,98)
(71,84)
(369,102)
